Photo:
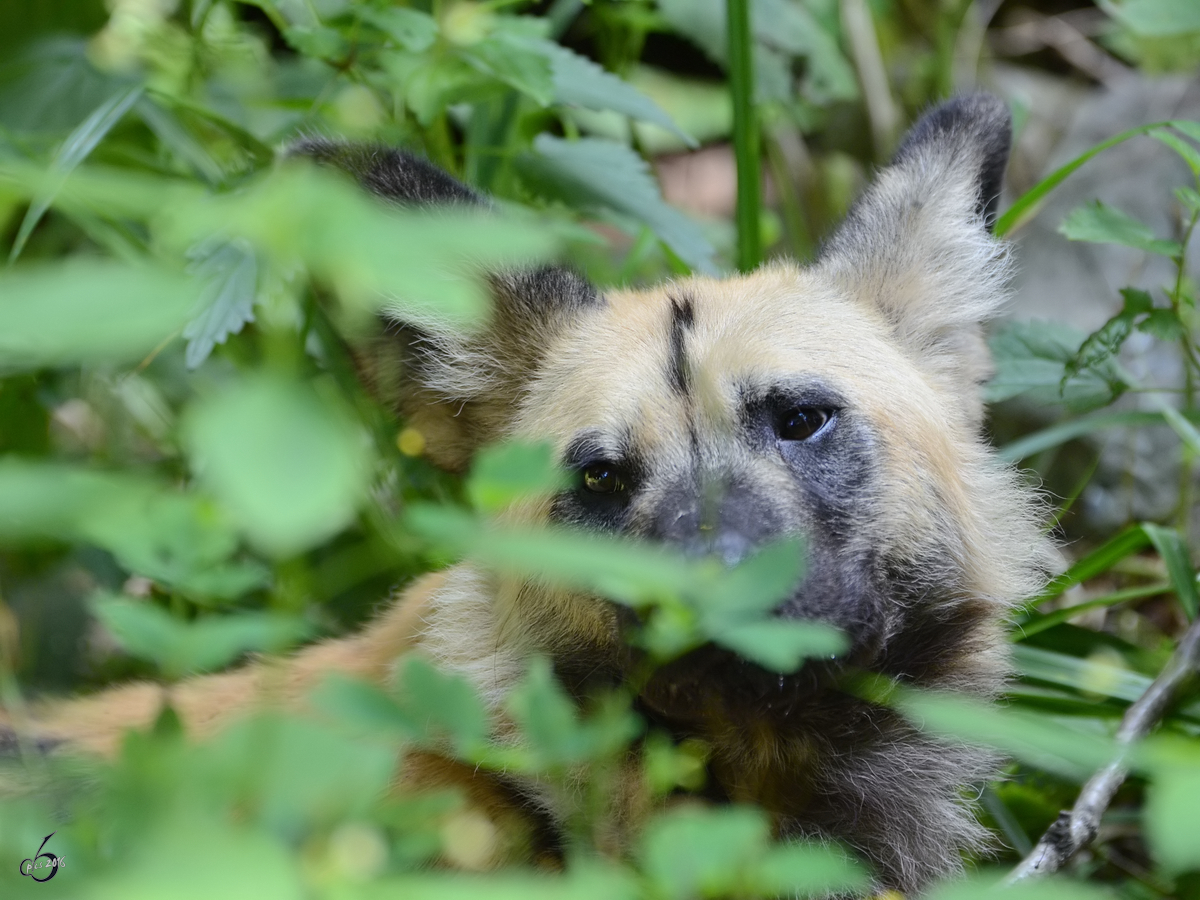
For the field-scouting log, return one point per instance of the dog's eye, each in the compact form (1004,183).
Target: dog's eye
(603,478)
(803,422)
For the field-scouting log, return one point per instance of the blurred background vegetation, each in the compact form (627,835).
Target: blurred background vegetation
(172,365)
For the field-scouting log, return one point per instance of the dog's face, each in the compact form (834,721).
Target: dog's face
(838,402)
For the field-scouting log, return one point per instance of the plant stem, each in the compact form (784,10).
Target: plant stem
(745,133)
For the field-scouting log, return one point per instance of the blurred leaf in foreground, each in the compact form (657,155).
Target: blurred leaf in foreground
(289,464)
(183,648)
(86,311)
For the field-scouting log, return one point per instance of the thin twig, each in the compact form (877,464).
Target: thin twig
(1074,830)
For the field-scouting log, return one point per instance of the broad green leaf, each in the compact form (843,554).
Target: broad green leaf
(995,887)
(74,150)
(515,61)
(1155,18)
(603,174)
(807,870)
(754,587)
(444,703)
(182,648)
(412,29)
(553,732)
(1032,358)
(1174,552)
(1043,741)
(1163,324)
(425,266)
(181,540)
(197,856)
(361,705)
(511,471)
(703,852)
(781,645)
(229,273)
(288,464)
(1100,223)
(1172,815)
(584,880)
(83,311)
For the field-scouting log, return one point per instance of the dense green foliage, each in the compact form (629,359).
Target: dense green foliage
(173,325)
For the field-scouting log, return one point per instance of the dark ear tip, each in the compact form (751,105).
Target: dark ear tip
(976,124)
(394,174)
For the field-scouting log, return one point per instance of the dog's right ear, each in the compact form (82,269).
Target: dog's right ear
(459,389)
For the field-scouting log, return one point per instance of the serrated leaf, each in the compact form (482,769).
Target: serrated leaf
(703,852)
(1163,324)
(597,173)
(754,587)
(229,272)
(516,62)
(83,310)
(1030,360)
(289,465)
(1099,223)
(580,82)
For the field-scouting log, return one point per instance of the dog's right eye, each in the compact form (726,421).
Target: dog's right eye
(603,478)
(803,422)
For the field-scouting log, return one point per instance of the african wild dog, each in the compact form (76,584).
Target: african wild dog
(840,401)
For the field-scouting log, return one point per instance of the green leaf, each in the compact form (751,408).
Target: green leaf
(703,852)
(1155,18)
(424,266)
(985,887)
(178,539)
(1032,358)
(413,30)
(1189,197)
(511,471)
(580,82)
(1174,552)
(515,61)
(597,173)
(1163,324)
(1061,432)
(1187,152)
(444,703)
(84,311)
(182,648)
(1100,560)
(1026,207)
(229,272)
(584,880)
(1043,741)
(289,465)
(1172,815)
(1083,675)
(1186,430)
(74,150)
(1099,223)
(781,645)
(807,870)
(754,587)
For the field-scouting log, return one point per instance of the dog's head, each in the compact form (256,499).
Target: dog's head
(840,402)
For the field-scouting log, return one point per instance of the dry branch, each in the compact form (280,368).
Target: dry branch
(1074,830)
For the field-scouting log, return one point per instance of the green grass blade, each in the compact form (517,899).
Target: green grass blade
(1039,623)
(1174,552)
(1061,432)
(74,150)
(1027,206)
(1099,560)
(745,133)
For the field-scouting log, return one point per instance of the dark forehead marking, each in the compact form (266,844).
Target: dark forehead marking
(683,316)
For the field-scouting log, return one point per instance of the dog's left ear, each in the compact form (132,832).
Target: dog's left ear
(918,245)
